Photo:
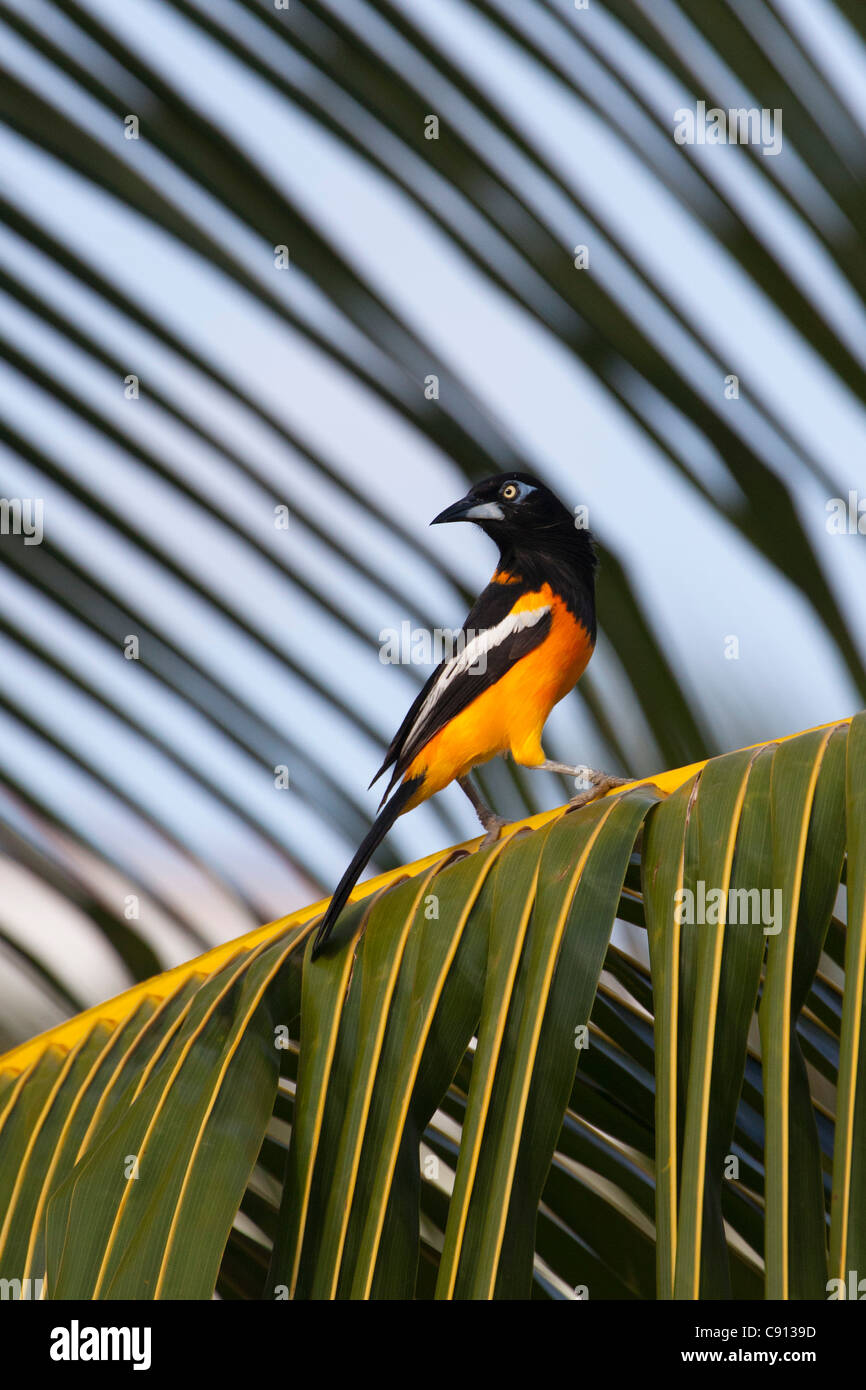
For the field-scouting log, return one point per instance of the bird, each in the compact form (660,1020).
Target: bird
(524,645)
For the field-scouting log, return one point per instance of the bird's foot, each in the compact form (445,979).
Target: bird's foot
(493,824)
(592,784)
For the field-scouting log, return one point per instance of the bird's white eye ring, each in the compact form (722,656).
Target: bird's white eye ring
(509,492)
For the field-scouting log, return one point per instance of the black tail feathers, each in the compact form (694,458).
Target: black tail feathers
(367,848)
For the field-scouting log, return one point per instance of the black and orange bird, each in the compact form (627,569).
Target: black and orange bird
(523,646)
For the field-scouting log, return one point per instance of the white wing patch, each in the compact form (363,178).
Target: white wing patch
(474,651)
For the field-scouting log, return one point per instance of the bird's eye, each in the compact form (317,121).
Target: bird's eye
(509,492)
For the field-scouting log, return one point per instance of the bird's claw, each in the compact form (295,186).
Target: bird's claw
(600,782)
(492,827)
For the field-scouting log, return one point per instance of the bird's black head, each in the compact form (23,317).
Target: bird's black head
(509,504)
(529,524)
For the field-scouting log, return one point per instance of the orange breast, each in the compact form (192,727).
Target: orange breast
(509,715)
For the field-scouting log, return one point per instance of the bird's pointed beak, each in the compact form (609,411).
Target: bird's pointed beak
(469,509)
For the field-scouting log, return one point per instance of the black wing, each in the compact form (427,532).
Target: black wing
(417,729)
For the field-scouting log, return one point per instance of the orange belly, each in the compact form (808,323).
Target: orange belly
(510,715)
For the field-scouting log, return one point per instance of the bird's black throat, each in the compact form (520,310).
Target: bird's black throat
(561,555)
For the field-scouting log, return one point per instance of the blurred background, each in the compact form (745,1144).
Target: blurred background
(276,282)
